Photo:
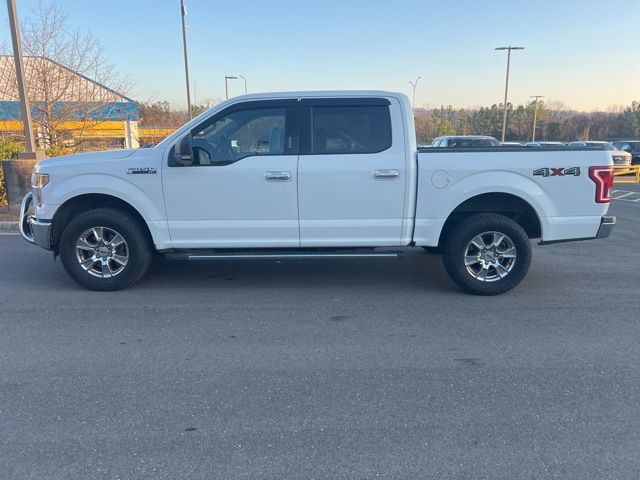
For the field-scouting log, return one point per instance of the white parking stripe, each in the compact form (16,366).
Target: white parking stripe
(623,194)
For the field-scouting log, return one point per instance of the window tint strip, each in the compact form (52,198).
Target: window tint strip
(344,102)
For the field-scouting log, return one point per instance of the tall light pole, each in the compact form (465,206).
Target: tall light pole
(226,85)
(245,83)
(183,13)
(22,90)
(506,85)
(535,114)
(413,86)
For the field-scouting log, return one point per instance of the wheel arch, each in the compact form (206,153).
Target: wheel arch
(507,204)
(91,201)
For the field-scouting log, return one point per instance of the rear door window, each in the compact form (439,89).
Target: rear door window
(349,126)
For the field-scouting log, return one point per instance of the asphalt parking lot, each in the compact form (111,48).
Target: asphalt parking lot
(325,369)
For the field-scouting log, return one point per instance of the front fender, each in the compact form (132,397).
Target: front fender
(145,196)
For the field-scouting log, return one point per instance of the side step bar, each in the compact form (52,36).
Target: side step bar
(279,254)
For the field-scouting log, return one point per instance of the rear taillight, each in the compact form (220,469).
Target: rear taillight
(603,177)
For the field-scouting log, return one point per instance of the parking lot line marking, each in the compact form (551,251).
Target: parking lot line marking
(624,195)
(9,233)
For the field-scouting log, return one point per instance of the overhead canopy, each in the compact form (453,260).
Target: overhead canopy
(72,96)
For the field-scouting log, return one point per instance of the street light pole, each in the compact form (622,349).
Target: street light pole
(226,85)
(413,98)
(535,114)
(245,83)
(22,90)
(183,13)
(506,86)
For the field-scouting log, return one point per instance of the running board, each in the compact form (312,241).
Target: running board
(278,254)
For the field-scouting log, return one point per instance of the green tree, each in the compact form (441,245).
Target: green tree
(445,127)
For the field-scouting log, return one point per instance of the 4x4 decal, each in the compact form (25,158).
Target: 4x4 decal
(557,172)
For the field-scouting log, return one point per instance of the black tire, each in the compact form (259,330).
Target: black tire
(509,272)
(136,246)
(433,250)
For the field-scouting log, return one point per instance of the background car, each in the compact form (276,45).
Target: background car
(512,144)
(465,141)
(629,146)
(545,144)
(620,157)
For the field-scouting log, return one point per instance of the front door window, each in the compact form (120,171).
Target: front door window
(240,134)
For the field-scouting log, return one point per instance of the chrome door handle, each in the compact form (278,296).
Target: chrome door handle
(386,174)
(277,176)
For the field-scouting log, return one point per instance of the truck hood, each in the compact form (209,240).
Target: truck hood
(84,158)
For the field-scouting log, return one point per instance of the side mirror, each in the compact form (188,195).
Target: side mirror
(183,151)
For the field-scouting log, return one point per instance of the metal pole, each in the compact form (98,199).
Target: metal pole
(183,13)
(506,86)
(413,98)
(535,114)
(226,85)
(245,83)
(506,91)
(22,91)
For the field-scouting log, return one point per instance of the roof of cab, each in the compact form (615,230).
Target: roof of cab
(318,93)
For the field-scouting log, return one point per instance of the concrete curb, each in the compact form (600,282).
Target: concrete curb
(9,227)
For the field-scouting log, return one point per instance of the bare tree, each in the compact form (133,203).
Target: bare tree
(71,85)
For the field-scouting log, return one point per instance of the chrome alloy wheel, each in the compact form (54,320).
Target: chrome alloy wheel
(102,252)
(490,256)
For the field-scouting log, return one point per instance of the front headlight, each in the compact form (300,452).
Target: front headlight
(38,181)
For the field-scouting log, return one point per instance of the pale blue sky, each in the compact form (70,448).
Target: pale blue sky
(584,53)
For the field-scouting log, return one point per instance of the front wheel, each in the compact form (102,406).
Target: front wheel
(105,249)
(487,254)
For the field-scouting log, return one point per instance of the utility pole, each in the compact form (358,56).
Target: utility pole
(22,90)
(183,13)
(506,86)
(413,98)
(245,83)
(535,114)
(226,85)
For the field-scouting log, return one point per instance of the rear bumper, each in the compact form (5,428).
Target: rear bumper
(606,227)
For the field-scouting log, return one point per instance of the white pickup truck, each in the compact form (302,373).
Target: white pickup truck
(313,174)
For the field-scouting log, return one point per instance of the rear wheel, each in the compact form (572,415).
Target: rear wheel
(105,249)
(487,254)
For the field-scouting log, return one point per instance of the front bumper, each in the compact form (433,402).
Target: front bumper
(33,230)
(622,161)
